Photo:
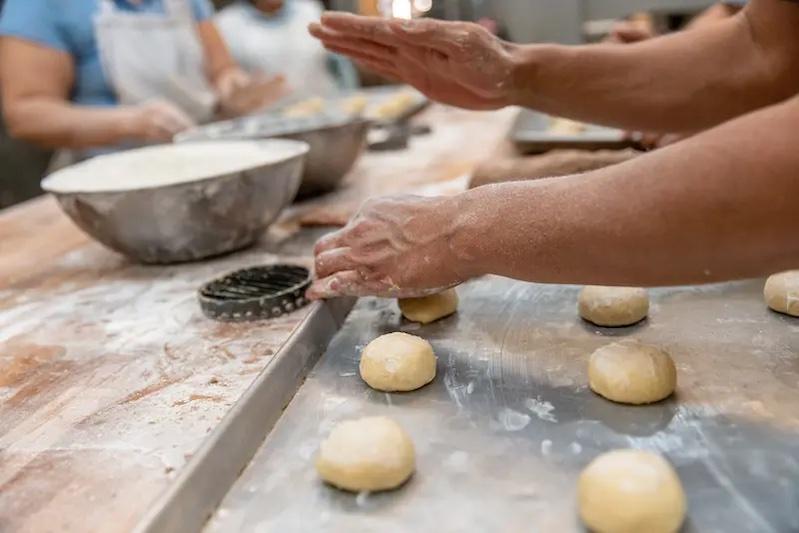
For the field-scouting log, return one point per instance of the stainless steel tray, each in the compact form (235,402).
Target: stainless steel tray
(378,95)
(505,428)
(531,134)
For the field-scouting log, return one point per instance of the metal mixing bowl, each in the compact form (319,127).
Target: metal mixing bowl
(334,151)
(189,220)
(336,141)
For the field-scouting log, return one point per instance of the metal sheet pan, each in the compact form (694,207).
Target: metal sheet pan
(531,134)
(509,422)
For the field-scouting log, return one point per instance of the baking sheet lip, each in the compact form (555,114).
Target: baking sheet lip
(167,510)
(521,132)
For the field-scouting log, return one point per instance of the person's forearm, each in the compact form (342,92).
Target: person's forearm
(218,59)
(718,206)
(683,82)
(55,124)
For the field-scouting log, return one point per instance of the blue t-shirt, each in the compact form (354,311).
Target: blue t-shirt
(68,25)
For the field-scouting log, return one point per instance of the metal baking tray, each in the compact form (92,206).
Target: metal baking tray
(504,430)
(378,95)
(531,133)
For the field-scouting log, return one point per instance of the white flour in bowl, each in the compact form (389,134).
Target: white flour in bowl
(169,164)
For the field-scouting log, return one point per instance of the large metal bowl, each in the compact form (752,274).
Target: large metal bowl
(190,220)
(334,151)
(336,141)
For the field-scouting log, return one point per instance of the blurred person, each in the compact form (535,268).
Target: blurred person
(718,206)
(270,36)
(102,74)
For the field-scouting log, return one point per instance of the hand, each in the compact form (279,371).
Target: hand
(457,63)
(229,81)
(394,247)
(156,121)
(259,92)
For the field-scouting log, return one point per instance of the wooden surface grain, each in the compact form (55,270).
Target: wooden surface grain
(110,376)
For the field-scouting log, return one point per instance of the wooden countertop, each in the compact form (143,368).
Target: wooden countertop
(110,376)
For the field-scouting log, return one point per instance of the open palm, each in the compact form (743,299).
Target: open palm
(458,63)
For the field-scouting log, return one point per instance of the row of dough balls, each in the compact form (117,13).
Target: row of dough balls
(632,490)
(619,491)
(635,373)
(623,490)
(375,453)
(625,306)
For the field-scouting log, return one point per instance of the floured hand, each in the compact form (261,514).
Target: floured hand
(394,247)
(458,63)
(252,93)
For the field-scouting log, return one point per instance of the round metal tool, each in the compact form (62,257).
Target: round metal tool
(255,293)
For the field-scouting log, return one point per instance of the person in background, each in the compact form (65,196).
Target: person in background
(270,36)
(94,75)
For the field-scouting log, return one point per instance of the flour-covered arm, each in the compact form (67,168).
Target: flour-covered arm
(719,206)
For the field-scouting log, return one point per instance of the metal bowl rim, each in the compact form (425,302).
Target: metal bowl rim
(184,138)
(302,150)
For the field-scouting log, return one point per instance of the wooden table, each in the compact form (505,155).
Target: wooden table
(110,376)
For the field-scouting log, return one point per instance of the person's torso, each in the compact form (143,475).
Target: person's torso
(279,44)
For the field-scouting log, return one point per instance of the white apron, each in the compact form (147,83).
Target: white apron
(148,56)
(281,46)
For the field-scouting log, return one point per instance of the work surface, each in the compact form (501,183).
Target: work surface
(503,431)
(111,378)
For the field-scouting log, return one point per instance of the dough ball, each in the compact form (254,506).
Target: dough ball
(355,104)
(631,372)
(782,292)
(631,491)
(613,306)
(429,308)
(305,108)
(371,454)
(394,107)
(398,362)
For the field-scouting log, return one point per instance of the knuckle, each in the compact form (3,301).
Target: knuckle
(361,227)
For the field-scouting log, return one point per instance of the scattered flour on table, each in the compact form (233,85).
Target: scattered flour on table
(513,420)
(546,447)
(541,409)
(457,461)
(362,499)
(307,449)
